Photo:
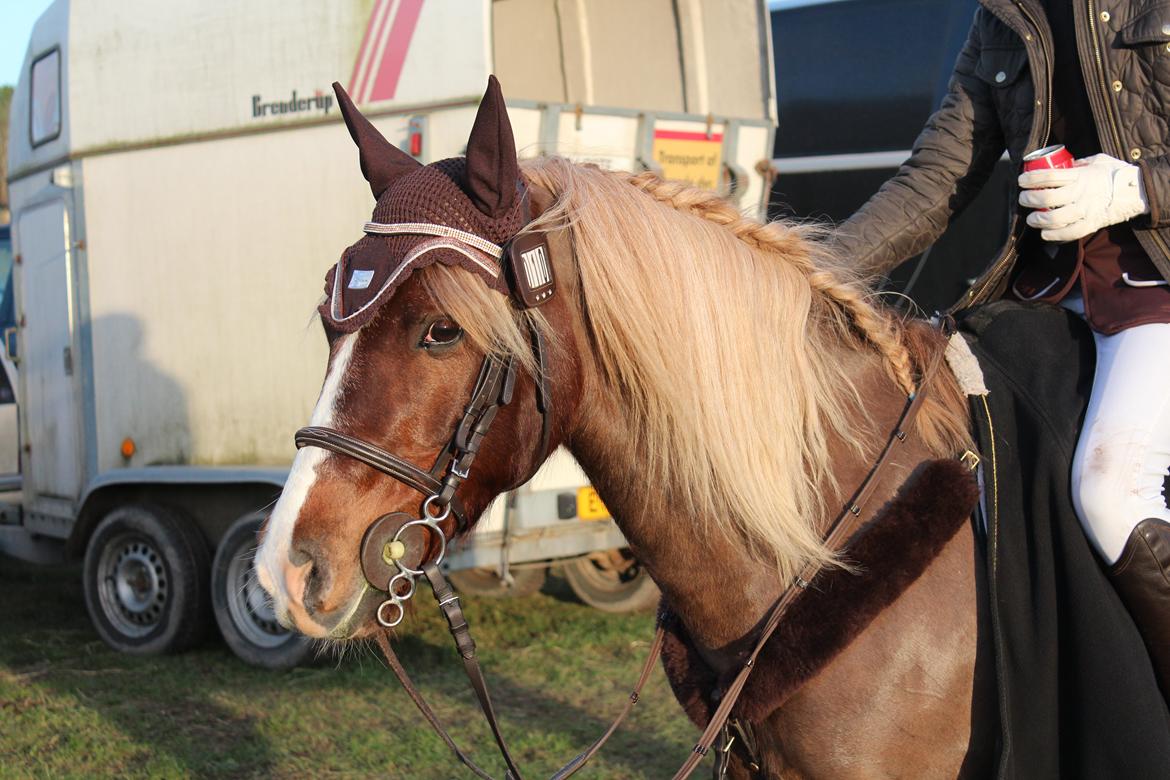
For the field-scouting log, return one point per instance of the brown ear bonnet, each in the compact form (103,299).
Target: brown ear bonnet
(462,211)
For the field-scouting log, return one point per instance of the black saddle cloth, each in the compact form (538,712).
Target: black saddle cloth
(1077,694)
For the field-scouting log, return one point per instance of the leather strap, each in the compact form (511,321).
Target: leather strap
(493,389)
(453,612)
(457,623)
(570,769)
(543,394)
(419,702)
(378,459)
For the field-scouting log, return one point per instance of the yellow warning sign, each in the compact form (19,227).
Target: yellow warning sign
(689,157)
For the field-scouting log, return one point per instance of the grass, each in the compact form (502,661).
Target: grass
(71,707)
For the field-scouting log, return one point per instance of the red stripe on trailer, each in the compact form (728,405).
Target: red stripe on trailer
(685,135)
(401,33)
(374,27)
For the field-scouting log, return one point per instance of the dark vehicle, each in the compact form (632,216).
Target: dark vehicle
(5,267)
(855,82)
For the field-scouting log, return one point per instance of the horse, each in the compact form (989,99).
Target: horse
(724,383)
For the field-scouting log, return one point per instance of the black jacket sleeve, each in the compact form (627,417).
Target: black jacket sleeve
(950,162)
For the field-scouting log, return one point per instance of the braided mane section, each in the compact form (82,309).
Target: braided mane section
(880,331)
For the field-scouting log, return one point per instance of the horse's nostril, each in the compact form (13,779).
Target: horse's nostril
(316,586)
(299,556)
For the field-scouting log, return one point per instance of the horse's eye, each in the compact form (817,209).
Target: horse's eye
(442,333)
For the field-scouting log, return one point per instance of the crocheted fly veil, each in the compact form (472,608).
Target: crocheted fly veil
(462,212)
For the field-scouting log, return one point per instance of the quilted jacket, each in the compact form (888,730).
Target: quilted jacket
(999,98)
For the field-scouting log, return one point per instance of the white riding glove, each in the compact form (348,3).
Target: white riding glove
(1097,192)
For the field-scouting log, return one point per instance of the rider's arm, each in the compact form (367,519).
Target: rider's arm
(951,160)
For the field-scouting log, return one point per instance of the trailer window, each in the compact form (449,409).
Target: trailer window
(45,96)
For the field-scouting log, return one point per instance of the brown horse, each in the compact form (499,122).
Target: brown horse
(725,384)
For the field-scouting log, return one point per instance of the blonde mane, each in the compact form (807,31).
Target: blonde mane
(735,346)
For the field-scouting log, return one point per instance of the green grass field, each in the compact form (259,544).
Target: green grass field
(71,707)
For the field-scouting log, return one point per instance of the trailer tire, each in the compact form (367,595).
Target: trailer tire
(611,581)
(243,610)
(145,580)
(486,581)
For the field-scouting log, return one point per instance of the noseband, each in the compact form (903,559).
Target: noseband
(394,547)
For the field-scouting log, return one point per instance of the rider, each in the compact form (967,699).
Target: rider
(1094,76)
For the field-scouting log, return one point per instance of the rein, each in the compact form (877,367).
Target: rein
(394,547)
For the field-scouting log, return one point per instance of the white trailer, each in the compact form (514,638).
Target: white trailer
(180,183)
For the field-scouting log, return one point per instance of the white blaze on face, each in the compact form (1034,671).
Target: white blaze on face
(273,555)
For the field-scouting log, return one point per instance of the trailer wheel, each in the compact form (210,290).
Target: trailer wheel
(243,609)
(145,580)
(486,582)
(612,581)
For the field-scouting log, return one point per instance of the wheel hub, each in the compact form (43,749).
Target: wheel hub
(249,604)
(134,588)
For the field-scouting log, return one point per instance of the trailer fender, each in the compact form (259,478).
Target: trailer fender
(212,497)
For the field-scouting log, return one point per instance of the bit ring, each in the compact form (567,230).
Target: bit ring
(383,621)
(429,524)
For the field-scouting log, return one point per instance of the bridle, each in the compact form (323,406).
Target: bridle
(394,547)
(385,553)
(394,541)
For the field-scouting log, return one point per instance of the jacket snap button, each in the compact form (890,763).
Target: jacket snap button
(1000,77)
(1104,16)
(1135,153)
(1117,86)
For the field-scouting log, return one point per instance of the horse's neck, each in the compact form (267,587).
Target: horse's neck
(719,591)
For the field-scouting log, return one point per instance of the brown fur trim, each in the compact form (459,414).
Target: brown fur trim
(891,553)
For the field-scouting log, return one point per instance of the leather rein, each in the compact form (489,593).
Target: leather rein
(394,548)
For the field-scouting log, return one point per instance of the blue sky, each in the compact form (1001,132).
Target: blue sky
(16,22)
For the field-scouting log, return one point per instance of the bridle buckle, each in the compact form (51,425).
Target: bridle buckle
(460,471)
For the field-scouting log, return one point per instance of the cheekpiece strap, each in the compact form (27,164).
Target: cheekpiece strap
(428,229)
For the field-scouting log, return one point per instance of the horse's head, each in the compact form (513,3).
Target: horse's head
(418,369)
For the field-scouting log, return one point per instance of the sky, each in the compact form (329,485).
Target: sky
(16,22)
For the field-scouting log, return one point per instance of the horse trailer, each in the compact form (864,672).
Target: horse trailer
(180,183)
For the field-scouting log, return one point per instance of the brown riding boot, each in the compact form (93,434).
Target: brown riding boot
(1142,579)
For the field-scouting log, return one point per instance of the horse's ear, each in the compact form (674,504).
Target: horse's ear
(382,162)
(492,170)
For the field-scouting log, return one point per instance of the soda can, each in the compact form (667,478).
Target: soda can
(1048,157)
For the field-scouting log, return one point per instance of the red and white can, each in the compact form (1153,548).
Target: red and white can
(1048,157)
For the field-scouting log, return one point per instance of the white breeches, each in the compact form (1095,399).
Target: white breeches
(1124,449)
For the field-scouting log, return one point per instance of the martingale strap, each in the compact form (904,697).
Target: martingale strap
(837,538)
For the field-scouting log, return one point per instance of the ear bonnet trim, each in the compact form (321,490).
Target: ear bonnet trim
(482,260)
(426,228)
